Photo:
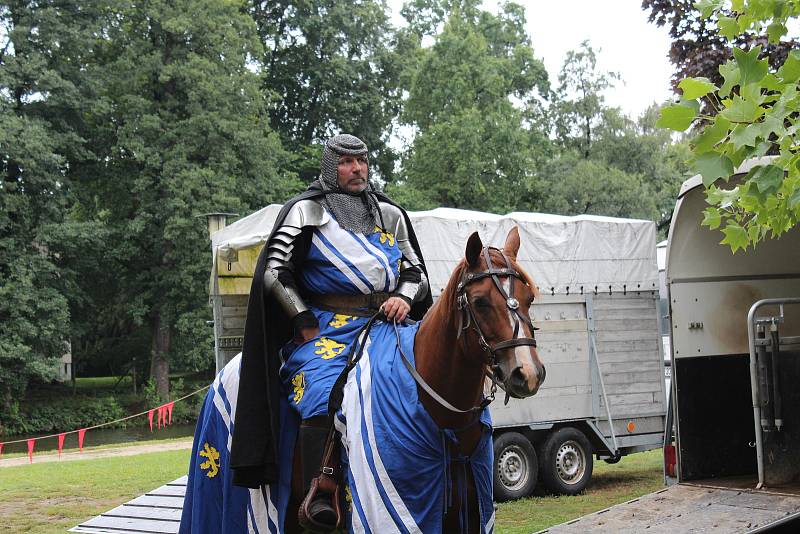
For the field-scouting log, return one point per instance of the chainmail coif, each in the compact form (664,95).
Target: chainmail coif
(354,212)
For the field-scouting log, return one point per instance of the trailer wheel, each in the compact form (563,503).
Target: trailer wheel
(566,461)
(515,467)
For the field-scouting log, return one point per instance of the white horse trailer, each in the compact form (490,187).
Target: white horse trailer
(735,335)
(599,334)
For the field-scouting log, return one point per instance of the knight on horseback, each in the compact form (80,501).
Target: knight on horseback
(337,254)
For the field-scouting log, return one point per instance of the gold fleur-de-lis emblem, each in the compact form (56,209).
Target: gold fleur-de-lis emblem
(299,385)
(212,463)
(348,497)
(340,320)
(385,236)
(328,348)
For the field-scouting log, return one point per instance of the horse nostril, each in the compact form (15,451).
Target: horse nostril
(542,374)
(517,377)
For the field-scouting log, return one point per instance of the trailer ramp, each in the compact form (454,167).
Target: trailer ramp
(690,508)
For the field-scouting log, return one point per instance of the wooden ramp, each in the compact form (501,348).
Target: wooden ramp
(155,512)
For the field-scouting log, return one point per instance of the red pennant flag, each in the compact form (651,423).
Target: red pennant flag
(31,443)
(150,416)
(170,406)
(61,442)
(81,435)
(162,413)
(1,449)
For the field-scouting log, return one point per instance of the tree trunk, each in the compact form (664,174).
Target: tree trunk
(159,366)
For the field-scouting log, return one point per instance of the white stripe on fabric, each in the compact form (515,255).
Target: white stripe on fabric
(490,524)
(348,246)
(378,252)
(271,509)
(219,404)
(355,520)
(386,481)
(377,516)
(336,261)
(250,529)
(259,510)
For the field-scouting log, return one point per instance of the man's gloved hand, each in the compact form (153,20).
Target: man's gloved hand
(396,309)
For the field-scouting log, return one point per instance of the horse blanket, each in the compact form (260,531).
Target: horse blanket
(396,459)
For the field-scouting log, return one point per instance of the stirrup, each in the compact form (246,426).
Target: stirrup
(321,510)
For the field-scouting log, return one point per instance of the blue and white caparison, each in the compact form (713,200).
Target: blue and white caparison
(395,457)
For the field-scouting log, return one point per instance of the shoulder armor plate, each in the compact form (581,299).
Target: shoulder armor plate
(307,212)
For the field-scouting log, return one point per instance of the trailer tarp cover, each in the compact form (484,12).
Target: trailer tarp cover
(559,252)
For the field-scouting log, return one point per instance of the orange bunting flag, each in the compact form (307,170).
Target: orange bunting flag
(170,406)
(61,442)
(81,435)
(162,416)
(31,443)
(150,416)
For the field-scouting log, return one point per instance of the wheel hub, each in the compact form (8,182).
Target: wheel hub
(570,463)
(512,467)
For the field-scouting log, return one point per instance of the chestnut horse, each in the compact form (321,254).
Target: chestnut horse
(478,328)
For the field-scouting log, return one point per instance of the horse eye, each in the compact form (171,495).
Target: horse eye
(481,302)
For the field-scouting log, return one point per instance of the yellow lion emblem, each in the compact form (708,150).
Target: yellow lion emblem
(299,385)
(385,236)
(340,320)
(328,348)
(212,463)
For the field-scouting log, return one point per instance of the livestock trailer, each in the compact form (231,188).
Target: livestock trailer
(734,465)
(599,333)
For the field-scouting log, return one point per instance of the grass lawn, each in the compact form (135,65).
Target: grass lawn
(52,497)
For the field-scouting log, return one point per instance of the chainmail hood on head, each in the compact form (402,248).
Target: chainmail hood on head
(355,212)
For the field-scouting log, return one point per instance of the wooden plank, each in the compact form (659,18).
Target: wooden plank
(133,524)
(145,512)
(234,311)
(643,326)
(232,323)
(623,304)
(184,480)
(234,300)
(158,501)
(632,398)
(636,387)
(168,491)
(637,370)
(627,345)
(563,374)
(573,325)
(626,313)
(623,335)
(629,357)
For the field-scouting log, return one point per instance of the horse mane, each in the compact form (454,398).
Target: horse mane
(447,298)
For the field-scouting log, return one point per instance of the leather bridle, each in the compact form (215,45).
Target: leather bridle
(468,320)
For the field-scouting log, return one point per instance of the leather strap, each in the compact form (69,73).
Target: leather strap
(358,305)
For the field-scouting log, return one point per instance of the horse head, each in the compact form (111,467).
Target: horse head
(494,296)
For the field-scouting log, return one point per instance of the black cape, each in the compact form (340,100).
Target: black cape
(254,454)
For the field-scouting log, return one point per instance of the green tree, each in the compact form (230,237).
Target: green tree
(756,113)
(578,105)
(332,68)
(44,95)
(470,97)
(186,133)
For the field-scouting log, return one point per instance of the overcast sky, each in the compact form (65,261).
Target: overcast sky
(627,44)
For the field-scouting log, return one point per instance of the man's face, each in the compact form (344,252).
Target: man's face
(353,171)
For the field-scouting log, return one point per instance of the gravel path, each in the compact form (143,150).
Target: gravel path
(99,453)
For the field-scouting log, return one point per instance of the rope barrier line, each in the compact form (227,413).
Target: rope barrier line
(109,422)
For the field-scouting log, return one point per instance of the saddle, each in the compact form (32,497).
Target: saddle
(321,509)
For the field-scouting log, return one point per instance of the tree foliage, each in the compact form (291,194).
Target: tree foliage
(756,114)
(473,147)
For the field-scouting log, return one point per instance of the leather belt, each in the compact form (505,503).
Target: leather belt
(359,305)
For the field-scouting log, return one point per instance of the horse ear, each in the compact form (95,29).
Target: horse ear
(474,247)
(512,243)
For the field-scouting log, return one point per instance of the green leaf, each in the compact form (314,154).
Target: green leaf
(751,68)
(728,27)
(741,110)
(707,7)
(735,236)
(730,72)
(712,165)
(696,87)
(712,134)
(794,199)
(767,178)
(790,70)
(775,31)
(745,135)
(712,218)
(677,116)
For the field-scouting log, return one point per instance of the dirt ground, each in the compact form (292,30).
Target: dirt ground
(99,453)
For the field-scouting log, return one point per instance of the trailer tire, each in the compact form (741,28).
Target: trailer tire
(565,461)
(515,467)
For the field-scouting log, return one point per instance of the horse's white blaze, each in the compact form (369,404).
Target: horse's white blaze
(523,356)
